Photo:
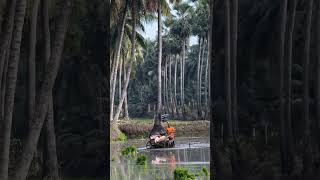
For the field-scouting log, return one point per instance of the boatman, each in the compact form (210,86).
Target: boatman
(170,131)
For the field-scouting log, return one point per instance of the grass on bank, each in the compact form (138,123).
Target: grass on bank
(151,121)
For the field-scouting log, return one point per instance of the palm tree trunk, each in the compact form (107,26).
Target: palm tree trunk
(170,84)
(227,71)
(52,162)
(31,60)
(44,96)
(318,74)
(201,73)
(132,59)
(114,71)
(234,46)
(307,136)
(5,55)
(198,77)
(175,85)
(126,110)
(6,36)
(183,74)
(159,108)
(181,82)
(207,82)
(166,85)
(283,148)
(120,81)
(288,123)
(11,87)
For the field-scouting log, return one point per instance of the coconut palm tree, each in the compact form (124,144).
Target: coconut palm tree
(5,41)
(318,71)
(288,67)
(52,162)
(11,87)
(44,95)
(307,154)
(115,62)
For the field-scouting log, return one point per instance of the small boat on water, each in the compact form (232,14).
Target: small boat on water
(160,137)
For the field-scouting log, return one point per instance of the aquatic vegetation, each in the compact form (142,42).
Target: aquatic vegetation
(205,171)
(141,160)
(130,150)
(122,137)
(182,174)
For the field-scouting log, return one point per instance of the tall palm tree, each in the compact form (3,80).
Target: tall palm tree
(288,71)
(318,72)
(42,99)
(113,76)
(228,71)
(31,59)
(132,59)
(307,134)
(5,41)
(11,86)
(234,47)
(283,148)
(52,163)
(159,107)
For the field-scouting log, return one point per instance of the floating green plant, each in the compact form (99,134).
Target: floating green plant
(130,150)
(141,160)
(205,171)
(182,174)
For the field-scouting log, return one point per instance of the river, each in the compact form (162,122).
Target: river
(191,153)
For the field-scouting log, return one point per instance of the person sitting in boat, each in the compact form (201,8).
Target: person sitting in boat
(170,131)
(158,132)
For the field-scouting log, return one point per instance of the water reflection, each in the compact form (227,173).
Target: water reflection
(162,162)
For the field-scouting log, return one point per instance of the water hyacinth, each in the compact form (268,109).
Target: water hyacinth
(130,150)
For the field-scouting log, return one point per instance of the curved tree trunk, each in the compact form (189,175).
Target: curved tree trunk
(44,96)
(52,161)
(11,86)
(132,59)
(159,108)
(113,76)
(307,154)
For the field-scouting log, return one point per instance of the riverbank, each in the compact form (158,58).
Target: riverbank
(140,128)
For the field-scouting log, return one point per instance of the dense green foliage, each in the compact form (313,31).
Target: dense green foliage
(130,150)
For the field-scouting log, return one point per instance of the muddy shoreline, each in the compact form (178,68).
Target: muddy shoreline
(133,129)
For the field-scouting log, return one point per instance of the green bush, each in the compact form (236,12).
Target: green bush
(122,137)
(182,174)
(141,160)
(130,150)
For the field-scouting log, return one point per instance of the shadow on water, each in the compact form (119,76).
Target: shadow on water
(192,154)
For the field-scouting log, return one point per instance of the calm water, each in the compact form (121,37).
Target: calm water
(190,153)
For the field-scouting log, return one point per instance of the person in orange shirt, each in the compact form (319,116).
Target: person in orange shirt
(170,131)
